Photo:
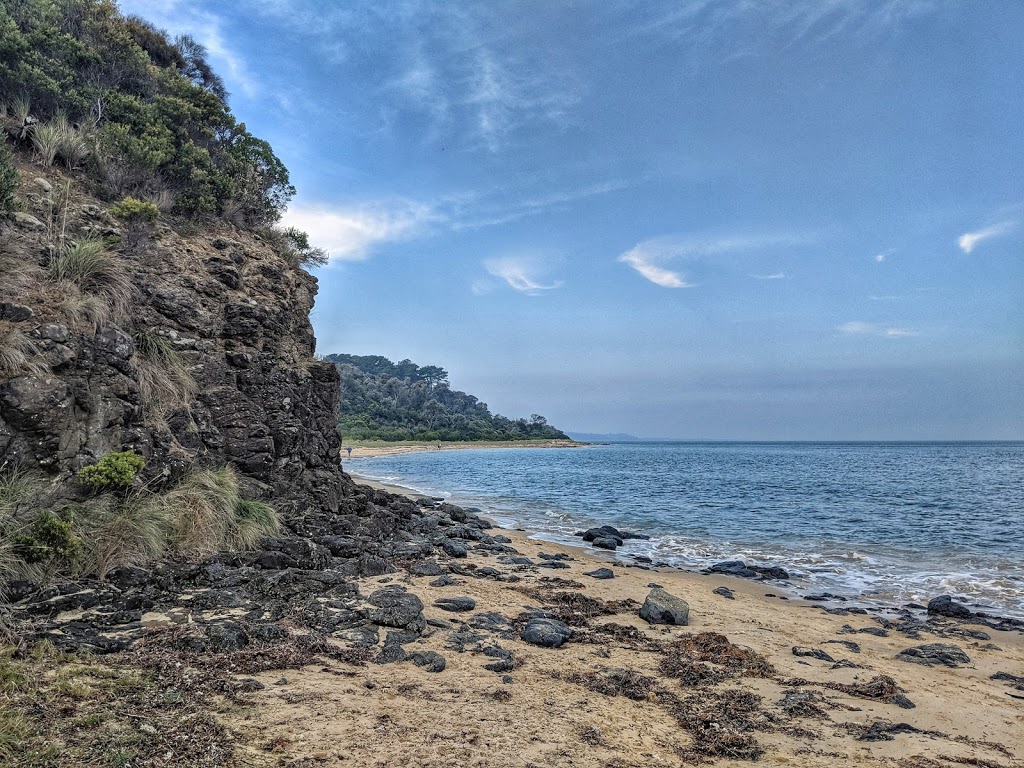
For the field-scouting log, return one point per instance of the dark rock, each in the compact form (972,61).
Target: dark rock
(848,644)
(15,313)
(660,607)
(558,556)
(553,564)
(934,653)
(400,637)
(944,605)
(226,636)
(487,572)
(600,573)
(431,660)
(606,542)
(444,580)
(733,568)
(491,622)
(392,608)
(814,653)
(455,604)
(724,592)
(515,560)
(547,633)
(360,637)
(391,654)
(455,548)
(439,623)
(642,558)
(428,568)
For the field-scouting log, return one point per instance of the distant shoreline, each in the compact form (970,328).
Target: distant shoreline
(372,449)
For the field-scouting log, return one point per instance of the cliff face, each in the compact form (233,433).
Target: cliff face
(233,312)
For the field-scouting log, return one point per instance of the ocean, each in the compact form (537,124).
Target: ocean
(875,522)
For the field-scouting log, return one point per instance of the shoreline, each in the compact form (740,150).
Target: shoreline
(367,451)
(824,686)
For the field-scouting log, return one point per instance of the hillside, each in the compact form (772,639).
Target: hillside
(382,400)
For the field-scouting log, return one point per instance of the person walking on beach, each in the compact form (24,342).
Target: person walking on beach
(349,449)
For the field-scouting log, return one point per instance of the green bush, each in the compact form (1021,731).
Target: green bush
(48,541)
(115,470)
(8,181)
(134,210)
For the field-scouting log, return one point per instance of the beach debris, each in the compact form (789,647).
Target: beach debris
(600,573)
(748,571)
(660,607)
(813,653)
(616,681)
(721,724)
(725,592)
(804,704)
(455,604)
(879,688)
(945,605)
(681,658)
(393,607)
(881,730)
(934,653)
(547,633)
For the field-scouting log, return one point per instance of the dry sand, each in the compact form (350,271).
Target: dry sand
(400,715)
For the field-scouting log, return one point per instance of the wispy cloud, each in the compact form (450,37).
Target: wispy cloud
(349,233)
(860,328)
(523,273)
(881,256)
(968,241)
(650,256)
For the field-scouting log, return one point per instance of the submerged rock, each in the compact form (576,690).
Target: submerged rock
(944,605)
(660,607)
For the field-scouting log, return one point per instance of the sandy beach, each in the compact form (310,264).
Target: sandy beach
(367,450)
(623,693)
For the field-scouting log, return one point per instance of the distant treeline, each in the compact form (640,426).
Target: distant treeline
(382,400)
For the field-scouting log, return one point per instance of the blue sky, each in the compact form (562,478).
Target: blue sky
(725,219)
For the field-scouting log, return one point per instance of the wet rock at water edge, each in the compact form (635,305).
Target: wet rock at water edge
(945,605)
(660,607)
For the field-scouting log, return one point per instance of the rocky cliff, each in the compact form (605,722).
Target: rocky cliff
(233,313)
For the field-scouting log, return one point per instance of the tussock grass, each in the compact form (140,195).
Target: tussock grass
(22,495)
(80,308)
(134,531)
(95,270)
(210,513)
(165,381)
(46,139)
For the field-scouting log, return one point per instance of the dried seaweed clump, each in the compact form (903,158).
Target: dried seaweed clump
(879,688)
(615,681)
(683,660)
(721,724)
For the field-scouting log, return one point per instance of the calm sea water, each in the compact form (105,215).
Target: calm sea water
(881,522)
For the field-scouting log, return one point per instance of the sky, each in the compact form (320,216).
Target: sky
(696,219)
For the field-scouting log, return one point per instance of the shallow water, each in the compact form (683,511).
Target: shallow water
(879,521)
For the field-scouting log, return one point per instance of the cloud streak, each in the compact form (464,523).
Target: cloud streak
(860,328)
(968,241)
(520,273)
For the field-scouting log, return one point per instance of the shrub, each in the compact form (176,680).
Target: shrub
(49,541)
(115,470)
(134,210)
(9,180)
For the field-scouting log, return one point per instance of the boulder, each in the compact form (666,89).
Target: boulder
(600,573)
(606,542)
(455,604)
(394,608)
(934,653)
(660,607)
(455,548)
(944,605)
(431,660)
(547,633)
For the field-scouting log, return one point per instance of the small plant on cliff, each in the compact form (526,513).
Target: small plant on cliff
(123,532)
(49,541)
(46,139)
(19,355)
(115,470)
(254,521)
(137,216)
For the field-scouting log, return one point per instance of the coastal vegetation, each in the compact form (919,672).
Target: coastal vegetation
(382,400)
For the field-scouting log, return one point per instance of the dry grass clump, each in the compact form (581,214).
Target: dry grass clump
(19,355)
(21,497)
(132,531)
(90,266)
(58,138)
(165,381)
(683,660)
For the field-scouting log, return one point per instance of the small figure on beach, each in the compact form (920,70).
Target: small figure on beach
(439,446)
(349,449)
